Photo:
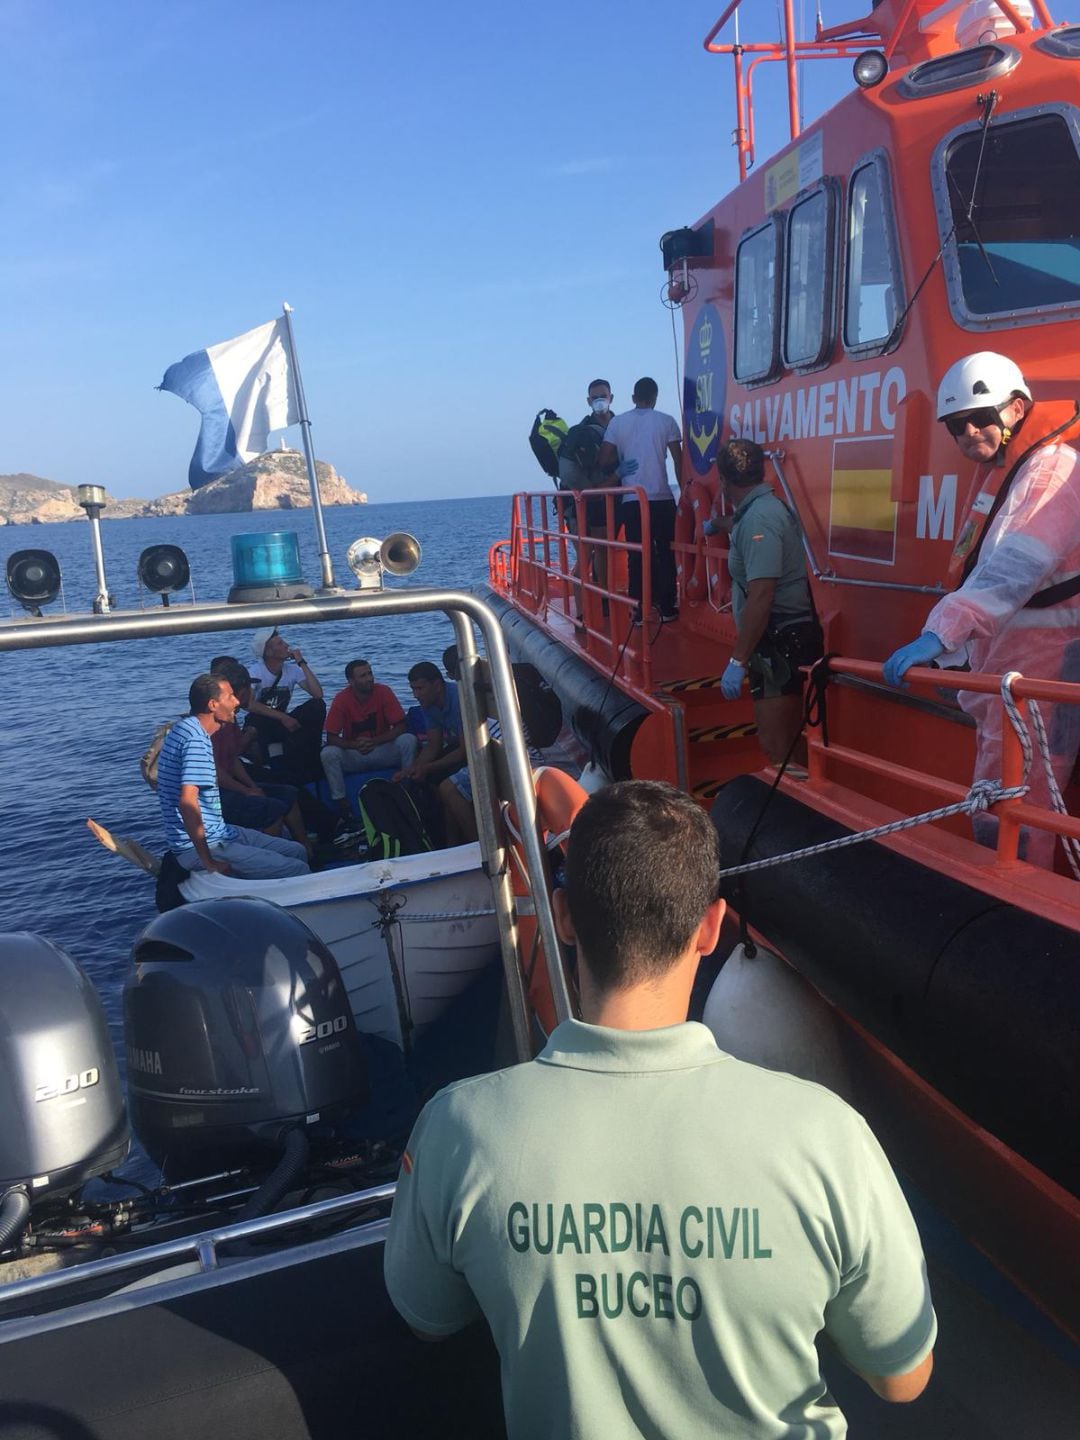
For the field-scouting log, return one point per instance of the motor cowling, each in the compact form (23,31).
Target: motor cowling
(237,1027)
(62,1117)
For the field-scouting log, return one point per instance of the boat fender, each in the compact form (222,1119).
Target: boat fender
(14,1214)
(763,1011)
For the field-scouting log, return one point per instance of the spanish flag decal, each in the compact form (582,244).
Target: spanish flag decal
(862,513)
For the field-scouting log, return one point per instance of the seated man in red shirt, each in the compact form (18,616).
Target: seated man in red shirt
(365,730)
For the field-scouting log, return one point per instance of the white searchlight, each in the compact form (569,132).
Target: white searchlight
(368,558)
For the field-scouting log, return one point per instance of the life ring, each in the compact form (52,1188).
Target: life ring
(558,800)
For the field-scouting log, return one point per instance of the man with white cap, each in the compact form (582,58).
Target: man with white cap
(1017,606)
(278,669)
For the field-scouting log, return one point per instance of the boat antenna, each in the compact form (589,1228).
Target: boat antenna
(987,104)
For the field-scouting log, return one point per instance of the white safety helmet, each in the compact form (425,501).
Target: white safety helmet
(978,380)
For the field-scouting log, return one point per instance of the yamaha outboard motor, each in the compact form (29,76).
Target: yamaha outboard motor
(61,1106)
(238,1029)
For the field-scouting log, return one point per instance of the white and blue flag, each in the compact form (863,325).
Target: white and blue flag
(243,389)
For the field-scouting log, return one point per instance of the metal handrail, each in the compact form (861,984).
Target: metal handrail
(202,1246)
(461,608)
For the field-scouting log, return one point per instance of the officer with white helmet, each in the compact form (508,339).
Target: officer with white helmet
(1016,607)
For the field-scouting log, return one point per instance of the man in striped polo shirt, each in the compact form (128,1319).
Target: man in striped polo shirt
(190,799)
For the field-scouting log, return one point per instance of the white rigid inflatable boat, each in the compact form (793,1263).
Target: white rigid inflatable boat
(409,935)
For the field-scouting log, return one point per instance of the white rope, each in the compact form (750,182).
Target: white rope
(979,798)
(1070,846)
(982,795)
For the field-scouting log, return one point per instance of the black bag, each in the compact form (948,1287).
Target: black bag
(391,821)
(545,441)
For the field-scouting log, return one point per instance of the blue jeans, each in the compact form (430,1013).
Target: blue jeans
(253,856)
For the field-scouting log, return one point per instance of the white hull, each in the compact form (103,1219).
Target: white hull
(408,935)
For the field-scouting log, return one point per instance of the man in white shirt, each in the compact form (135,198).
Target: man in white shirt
(295,735)
(648,436)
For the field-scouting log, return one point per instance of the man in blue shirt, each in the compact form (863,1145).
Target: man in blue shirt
(444,750)
(195,830)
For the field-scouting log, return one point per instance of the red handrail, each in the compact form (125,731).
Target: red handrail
(1013,813)
(544,581)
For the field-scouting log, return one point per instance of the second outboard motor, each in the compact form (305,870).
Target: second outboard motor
(61,1106)
(238,1028)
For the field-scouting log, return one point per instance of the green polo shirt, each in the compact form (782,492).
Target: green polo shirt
(656,1233)
(766,545)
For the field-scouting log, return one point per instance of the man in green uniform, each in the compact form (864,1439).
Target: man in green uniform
(656,1232)
(770,600)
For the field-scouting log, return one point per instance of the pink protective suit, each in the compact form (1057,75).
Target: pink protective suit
(1032,544)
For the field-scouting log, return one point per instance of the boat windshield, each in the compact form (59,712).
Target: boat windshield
(1021,248)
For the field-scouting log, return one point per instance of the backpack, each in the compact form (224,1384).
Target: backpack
(149,762)
(391,821)
(578,455)
(545,439)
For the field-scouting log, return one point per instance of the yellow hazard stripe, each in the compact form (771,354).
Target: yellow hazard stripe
(724,732)
(676,687)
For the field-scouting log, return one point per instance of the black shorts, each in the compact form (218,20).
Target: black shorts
(595,515)
(775,667)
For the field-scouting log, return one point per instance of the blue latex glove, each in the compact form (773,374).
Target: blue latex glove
(625,468)
(917,652)
(731,682)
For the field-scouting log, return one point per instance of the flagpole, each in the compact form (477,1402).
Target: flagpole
(309,454)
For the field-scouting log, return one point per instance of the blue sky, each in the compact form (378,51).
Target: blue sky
(462,204)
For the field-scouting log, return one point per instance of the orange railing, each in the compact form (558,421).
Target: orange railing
(1011,814)
(553,568)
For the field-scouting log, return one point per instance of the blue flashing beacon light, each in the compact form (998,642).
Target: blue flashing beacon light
(266,566)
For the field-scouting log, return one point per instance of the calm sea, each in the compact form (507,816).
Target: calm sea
(77,720)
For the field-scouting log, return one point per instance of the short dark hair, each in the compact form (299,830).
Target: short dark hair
(642,868)
(355,665)
(741,462)
(204,688)
(646,389)
(226,668)
(451,661)
(424,670)
(593,384)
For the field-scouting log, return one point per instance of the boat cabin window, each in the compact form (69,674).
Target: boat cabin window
(972,66)
(1020,250)
(1064,43)
(872,279)
(757,331)
(808,280)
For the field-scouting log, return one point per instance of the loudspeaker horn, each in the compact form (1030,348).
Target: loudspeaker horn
(400,553)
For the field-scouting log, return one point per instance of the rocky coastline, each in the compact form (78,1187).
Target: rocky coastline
(274,481)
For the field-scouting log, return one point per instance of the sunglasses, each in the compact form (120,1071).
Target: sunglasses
(957,424)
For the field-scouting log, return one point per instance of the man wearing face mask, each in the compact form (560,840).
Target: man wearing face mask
(580,469)
(1017,606)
